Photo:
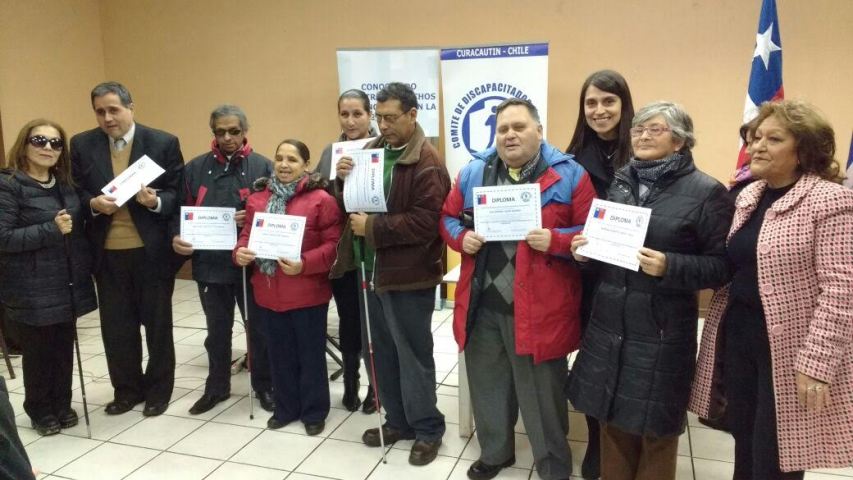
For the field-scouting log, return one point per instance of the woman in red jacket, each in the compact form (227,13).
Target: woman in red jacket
(293,295)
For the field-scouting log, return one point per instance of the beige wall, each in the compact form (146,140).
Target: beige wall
(51,55)
(277,58)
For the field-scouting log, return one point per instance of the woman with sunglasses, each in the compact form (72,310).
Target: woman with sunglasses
(635,366)
(601,144)
(41,243)
(354,119)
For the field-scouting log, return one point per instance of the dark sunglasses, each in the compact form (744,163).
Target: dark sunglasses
(231,131)
(40,141)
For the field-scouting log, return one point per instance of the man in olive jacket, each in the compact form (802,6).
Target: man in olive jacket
(401,250)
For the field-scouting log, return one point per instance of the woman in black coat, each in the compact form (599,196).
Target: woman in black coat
(636,362)
(601,144)
(41,223)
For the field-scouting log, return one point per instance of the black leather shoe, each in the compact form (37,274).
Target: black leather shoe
(266,399)
(483,471)
(274,423)
(117,407)
(48,425)
(390,435)
(315,428)
(423,452)
(206,402)
(369,404)
(68,418)
(152,409)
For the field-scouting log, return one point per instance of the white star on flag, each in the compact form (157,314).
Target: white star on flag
(764,46)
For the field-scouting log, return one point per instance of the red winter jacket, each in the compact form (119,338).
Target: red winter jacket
(547,288)
(311,287)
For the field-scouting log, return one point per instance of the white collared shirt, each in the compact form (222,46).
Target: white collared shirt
(127,137)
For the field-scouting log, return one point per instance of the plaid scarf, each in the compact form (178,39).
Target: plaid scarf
(526,171)
(281,194)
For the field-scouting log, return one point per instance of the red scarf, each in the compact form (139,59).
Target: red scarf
(238,156)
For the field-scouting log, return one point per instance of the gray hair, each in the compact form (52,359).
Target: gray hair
(106,88)
(227,111)
(679,122)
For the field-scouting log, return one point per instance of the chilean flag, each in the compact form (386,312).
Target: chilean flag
(188,215)
(765,80)
(481,199)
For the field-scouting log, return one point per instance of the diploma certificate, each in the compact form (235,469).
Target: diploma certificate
(345,149)
(615,233)
(275,236)
(209,228)
(127,185)
(364,189)
(507,212)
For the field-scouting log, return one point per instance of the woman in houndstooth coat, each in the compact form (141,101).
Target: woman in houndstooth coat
(775,360)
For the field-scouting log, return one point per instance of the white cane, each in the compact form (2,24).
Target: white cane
(248,345)
(370,352)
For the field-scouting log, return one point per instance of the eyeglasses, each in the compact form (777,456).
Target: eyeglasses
(40,141)
(389,118)
(231,131)
(654,130)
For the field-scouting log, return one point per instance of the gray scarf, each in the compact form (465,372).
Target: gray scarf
(281,194)
(650,171)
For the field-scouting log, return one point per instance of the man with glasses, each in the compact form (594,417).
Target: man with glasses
(223,177)
(401,251)
(517,312)
(134,263)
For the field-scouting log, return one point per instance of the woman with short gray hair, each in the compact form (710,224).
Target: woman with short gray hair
(635,366)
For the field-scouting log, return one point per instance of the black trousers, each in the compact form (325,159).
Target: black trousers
(218,302)
(131,295)
(751,409)
(346,291)
(14,462)
(48,364)
(297,340)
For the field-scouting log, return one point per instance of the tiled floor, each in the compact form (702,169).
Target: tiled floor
(224,444)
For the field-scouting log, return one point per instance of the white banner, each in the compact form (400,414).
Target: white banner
(370,70)
(474,80)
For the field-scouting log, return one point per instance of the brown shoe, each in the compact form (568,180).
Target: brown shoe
(424,452)
(390,435)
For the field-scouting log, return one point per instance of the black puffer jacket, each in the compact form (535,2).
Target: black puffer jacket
(636,361)
(33,268)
